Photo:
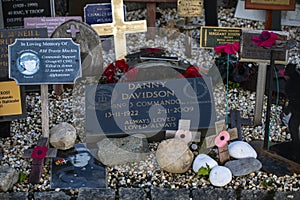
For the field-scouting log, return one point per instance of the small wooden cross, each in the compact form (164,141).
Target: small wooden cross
(184,132)
(221,139)
(235,120)
(73,31)
(38,163)
(118,28)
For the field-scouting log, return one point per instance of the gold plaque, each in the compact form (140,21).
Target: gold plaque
(273,2)
(10,99)
(270,4)
(189,8)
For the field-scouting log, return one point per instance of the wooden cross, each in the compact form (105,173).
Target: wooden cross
(221,137)
(151,13)
(236,121)
(38,163)
(118,28)
(184,132)
(73,31)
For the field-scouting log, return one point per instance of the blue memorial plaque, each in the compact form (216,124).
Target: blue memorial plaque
(98,13)
(149,106)
(44,61)
(8,36)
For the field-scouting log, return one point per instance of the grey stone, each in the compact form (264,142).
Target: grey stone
(287,195)
(90,46)
(14,195)
(255,194)
(170,194)
(216,193)
(243,166)
(89,194)
(8,177)
(132,193)
(115,151)
(63,136)
(173,155)
(51,195)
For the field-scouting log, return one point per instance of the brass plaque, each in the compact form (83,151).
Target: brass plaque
(189,8)
(10,99)
(214,36)
(270,4)
(249,52)
(274,2)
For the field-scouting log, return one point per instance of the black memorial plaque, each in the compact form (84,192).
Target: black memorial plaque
(44,61)
(251,53)
(14,11)
(7,37)
(149,106)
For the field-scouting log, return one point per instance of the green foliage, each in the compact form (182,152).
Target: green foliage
(22,177)
(204,171)
(233,85)
(267,183)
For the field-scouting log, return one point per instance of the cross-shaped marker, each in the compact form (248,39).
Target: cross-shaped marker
(119,27)
(73,31)
(184,132)
(37,163)
(221,139)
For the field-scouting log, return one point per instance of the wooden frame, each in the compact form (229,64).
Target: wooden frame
(270,5)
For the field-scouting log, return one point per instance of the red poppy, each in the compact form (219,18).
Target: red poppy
(227,48)
(39,152)
(265,39)
(131,74)
(109,73)
(122,65)
(192,72)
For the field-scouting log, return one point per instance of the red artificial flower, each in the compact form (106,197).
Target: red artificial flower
(109,73)
(122,65)
(227,48)
(39,152)
(265,39)
(192,72)
(131,74)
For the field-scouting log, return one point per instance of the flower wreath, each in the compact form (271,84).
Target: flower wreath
(120,71)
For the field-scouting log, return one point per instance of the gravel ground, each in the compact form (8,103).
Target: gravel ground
(147,174)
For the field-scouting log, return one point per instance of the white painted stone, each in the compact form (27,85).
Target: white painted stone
(241,149)
(220,176)
(201,160)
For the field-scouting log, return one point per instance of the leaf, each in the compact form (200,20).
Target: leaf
(204,171)
(22,177)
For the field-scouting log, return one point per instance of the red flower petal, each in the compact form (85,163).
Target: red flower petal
(109,70)
(122,65)
(265,39)
(39,152)
(219,49)
(192,72)
(153,50)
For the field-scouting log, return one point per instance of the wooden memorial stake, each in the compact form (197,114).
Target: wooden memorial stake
(184,132)
(221,139)
(37,163)
(118,28)
(236,121)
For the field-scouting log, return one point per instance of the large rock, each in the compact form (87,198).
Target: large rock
(201,160)
(220,176)
(114,151)
(241,149)
(8,177)
(173,155)
(63,136)
(243,166)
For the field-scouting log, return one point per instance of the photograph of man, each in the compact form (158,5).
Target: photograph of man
(76,168)
(28,63)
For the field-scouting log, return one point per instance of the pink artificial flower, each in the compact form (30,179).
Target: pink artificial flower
(192,72)
(265,39)
(222,139)
(131,74)
(227,48)
(39,152)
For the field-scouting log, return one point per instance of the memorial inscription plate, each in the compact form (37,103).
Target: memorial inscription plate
(7,37)
(149,106)
(38,61)
(14,11)
(270,4)
(213,36)
(190,8)
(251,53)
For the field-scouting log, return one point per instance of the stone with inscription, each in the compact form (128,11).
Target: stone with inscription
(149,106)
(44,61)
(173,155)
(7,37)
(90,45)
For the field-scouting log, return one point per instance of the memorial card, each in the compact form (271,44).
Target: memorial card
(44,61)
(77,168)
(149,106)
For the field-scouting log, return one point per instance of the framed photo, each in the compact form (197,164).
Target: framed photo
(270,5)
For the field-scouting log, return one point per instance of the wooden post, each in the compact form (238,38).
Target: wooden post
(45,111)
(119,27)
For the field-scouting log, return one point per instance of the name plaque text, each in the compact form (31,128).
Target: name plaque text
(149,106)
